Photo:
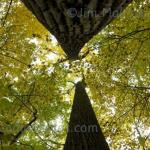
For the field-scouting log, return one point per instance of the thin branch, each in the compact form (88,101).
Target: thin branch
(1,142)
(132,87)
(14,59)
(24,104)
(84,55)
(33,110)
(138,87)
(5,18)
(34,113)
(24,128)
(119,37)
(123,114)
(131,33)
(27,145)
(44,141)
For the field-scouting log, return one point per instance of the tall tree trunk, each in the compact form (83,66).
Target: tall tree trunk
(75,22)
(84,132)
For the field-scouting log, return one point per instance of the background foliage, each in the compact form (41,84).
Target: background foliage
(35,80)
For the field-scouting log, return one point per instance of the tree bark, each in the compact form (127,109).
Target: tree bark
(84,132)
(73,22)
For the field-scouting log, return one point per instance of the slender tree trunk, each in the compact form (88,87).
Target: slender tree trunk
(84,132)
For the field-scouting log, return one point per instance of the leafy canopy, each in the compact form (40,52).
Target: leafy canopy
(36,80)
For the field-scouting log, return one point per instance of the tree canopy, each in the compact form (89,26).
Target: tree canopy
(36,80)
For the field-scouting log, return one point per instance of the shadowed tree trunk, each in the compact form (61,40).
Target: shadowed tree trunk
(84,132)
(75,22)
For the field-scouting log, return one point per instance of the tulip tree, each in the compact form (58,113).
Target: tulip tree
(38,82)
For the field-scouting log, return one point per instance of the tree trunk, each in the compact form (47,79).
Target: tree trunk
(84,132)
(75,22)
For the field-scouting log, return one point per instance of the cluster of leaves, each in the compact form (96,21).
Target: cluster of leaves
(35,80)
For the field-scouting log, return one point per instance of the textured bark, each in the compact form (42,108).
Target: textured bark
(73,31)
(84,132)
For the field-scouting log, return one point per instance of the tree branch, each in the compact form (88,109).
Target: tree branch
(24,128)
(5,18)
